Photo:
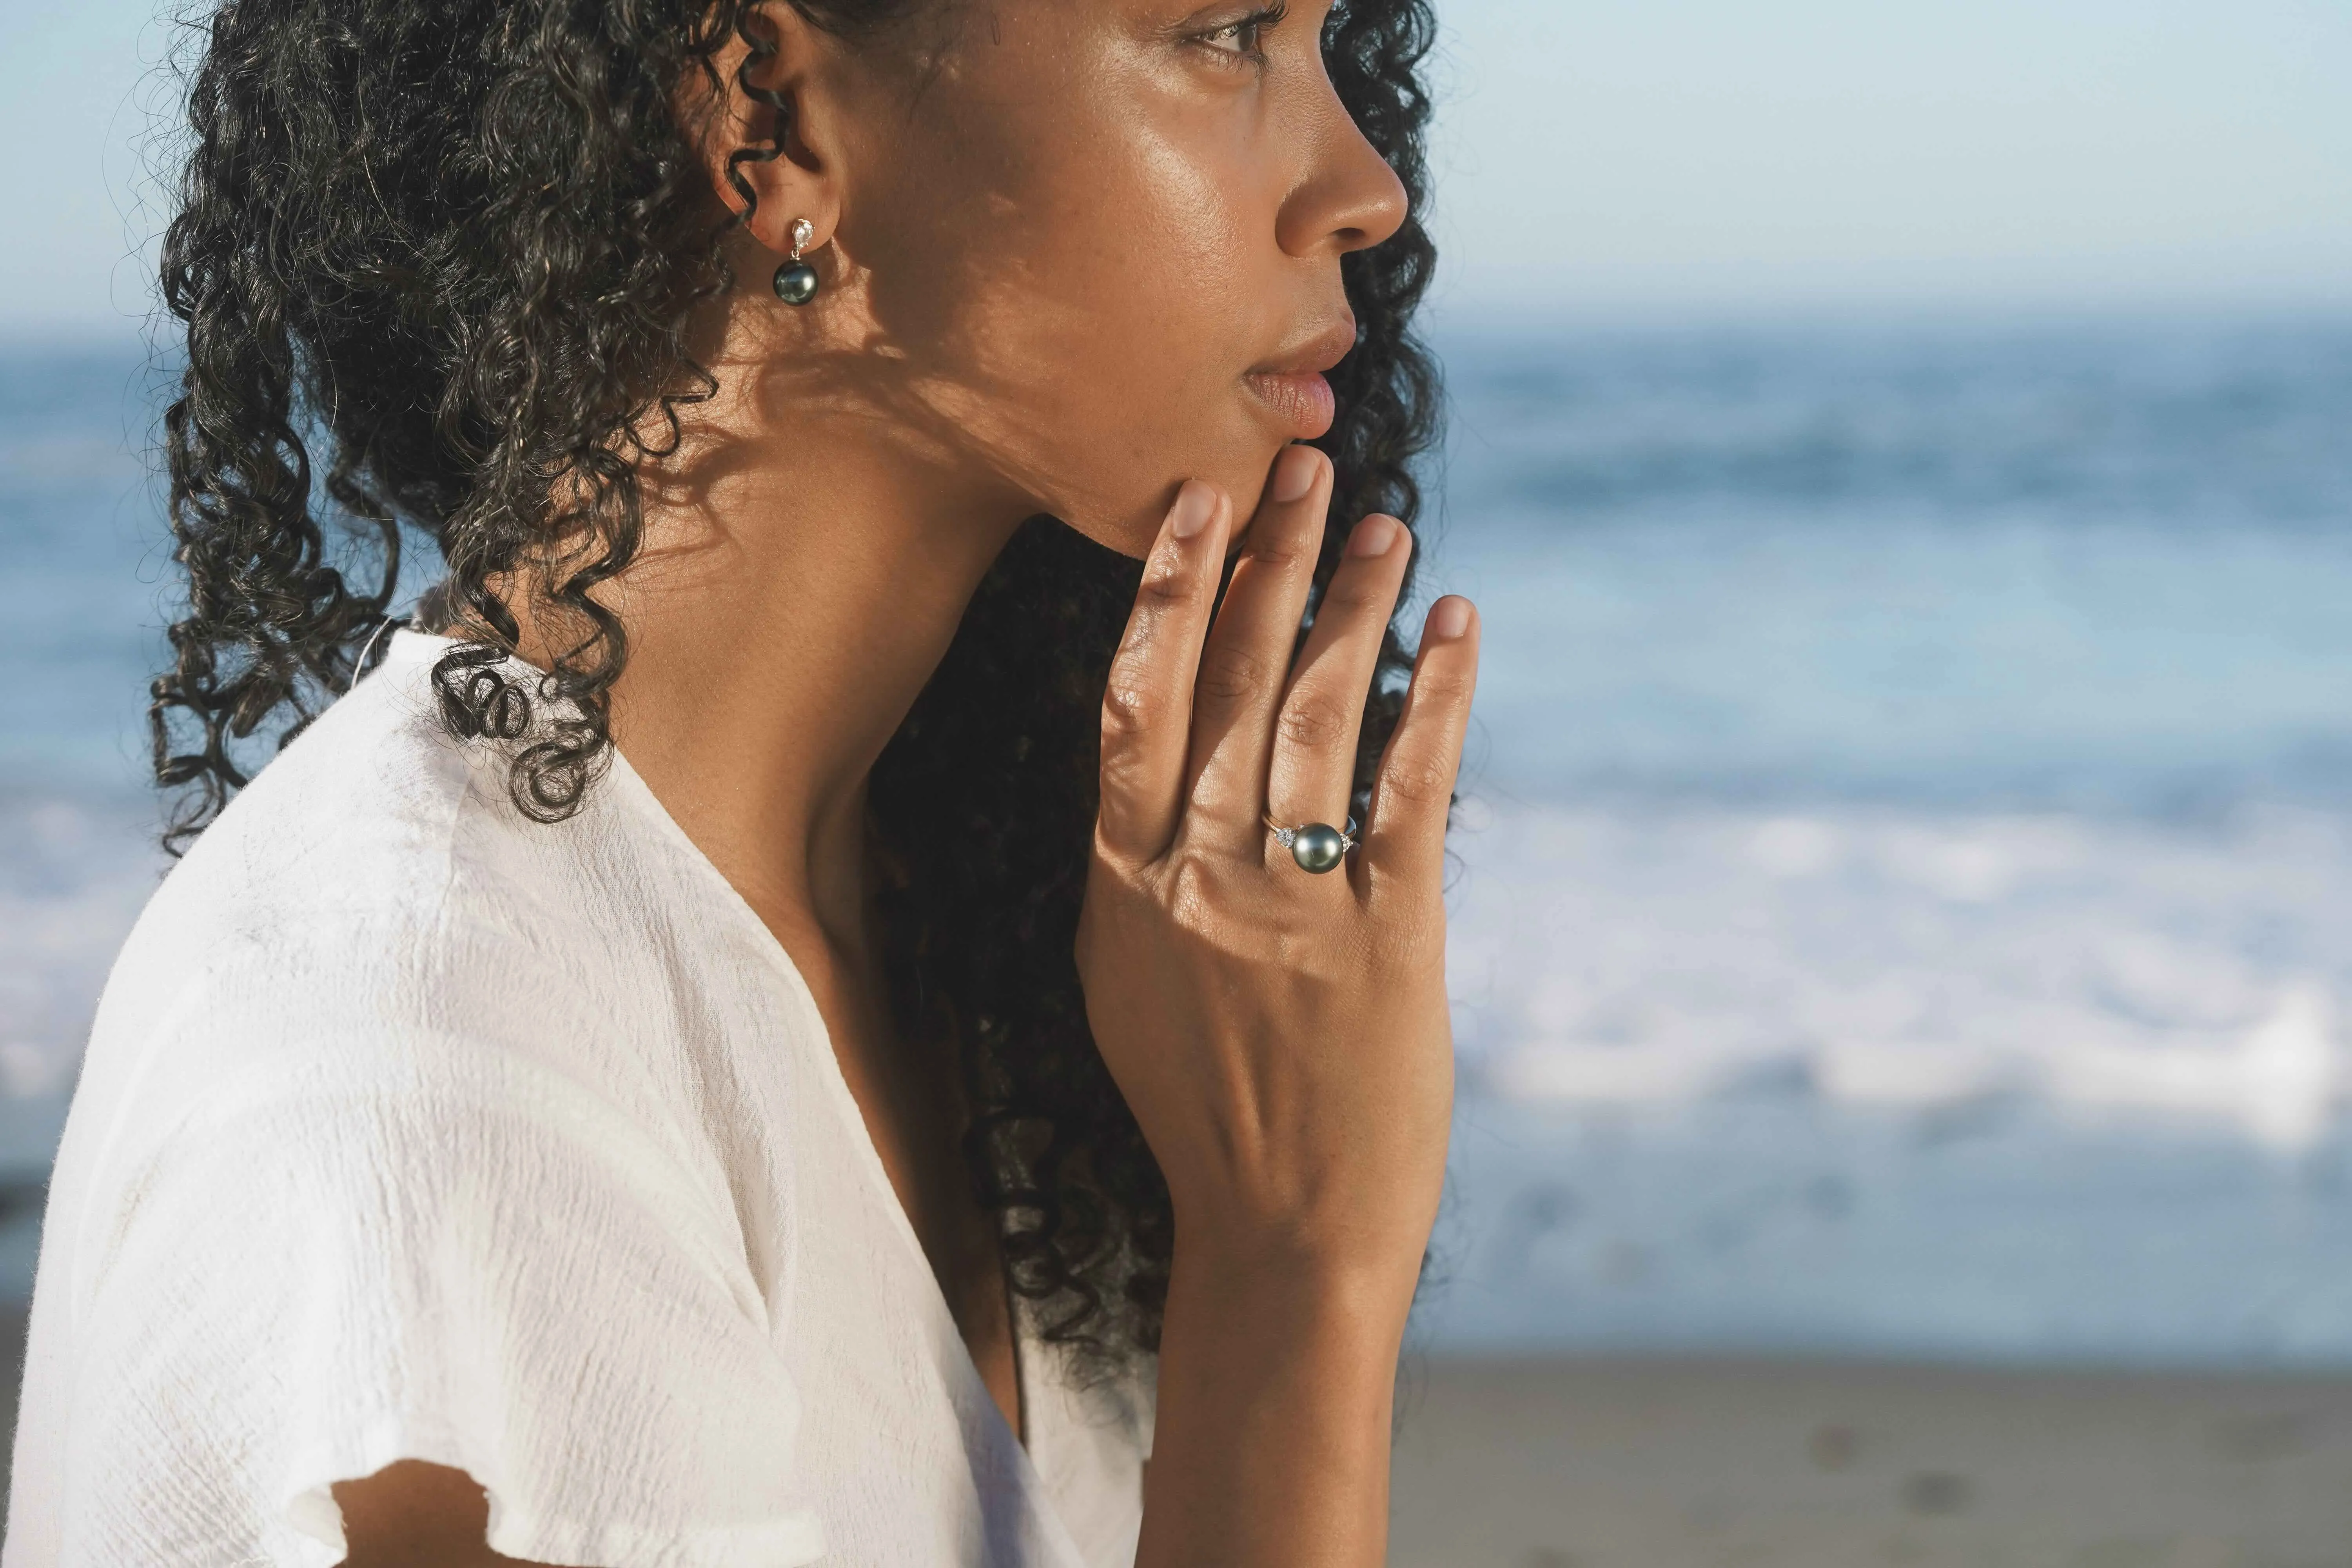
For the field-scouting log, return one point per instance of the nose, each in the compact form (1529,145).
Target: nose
(1349,198)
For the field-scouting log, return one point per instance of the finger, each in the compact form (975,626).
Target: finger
(1313,769)
(1148,701)
(1405,837)
(1247,659)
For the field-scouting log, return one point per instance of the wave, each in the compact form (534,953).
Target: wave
(1883,958)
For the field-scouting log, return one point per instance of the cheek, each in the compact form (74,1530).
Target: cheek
(1149,313)
(1103,299)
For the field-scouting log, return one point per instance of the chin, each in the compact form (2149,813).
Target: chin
(1132,534)
(1116,515)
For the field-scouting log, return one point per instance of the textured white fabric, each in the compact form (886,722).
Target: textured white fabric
(412,1128)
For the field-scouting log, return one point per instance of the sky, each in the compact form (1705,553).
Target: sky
(1733,155)
(1616,157)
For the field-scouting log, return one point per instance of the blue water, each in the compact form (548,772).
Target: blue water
(2100,567)
(82,601)
(1905,903)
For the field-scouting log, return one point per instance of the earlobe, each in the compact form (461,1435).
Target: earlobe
(765,153)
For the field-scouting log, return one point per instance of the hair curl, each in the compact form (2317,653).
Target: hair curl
(455,248)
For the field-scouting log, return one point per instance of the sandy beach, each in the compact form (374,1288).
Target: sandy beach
(1565,1463)
(1561,1464)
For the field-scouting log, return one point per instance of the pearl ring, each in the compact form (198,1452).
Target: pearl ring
(1317,847)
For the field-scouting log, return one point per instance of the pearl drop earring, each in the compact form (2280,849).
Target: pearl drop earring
(795,280)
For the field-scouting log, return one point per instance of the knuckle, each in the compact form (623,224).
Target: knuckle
(1200,898)
(1126,708)
(1419,780)
(1167,582)
(1314,722)
(1351,597)
(1191,887)
(1208,888)
(1277,554)
(1231,674)
(1113,856)
(1138,649)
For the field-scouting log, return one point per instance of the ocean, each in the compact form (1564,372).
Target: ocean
(1902,899)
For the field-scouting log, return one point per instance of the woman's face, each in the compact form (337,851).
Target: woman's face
(1092,247)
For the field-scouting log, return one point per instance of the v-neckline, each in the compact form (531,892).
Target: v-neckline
(836,1088)
(867,1154)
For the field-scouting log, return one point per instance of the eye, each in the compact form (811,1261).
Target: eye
(1242,40)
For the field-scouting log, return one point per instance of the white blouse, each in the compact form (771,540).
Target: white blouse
(410,1127)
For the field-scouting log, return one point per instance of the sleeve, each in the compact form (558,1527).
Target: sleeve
(513,1279)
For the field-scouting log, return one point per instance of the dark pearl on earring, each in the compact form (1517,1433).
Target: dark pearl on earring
(795,282)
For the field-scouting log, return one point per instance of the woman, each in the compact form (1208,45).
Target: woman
(800,989)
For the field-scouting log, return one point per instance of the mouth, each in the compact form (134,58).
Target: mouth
(1291,386)
(1303,404)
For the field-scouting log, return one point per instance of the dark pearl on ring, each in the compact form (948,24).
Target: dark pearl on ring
(795,282)
(1318,847)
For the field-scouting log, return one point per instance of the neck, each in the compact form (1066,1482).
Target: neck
(795,590)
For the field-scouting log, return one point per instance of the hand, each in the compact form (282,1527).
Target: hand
(1282,1037)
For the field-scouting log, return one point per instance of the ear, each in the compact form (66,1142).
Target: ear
(767,144)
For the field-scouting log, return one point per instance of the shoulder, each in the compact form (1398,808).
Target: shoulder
(372,917)
(352,827)
(375,871)
(390,1141)
(377,812)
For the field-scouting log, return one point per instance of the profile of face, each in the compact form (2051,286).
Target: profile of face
(1072,252)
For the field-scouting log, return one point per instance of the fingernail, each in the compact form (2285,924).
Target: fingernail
(1373,536)
(1451,618)
(1196,503)
(1294,472)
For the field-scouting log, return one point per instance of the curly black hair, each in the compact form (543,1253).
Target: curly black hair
(455,247)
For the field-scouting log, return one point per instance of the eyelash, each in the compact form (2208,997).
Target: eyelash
(1253,24)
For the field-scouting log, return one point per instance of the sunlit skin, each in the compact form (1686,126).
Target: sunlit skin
(1077,257)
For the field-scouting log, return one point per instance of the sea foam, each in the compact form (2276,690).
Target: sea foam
(1880,957)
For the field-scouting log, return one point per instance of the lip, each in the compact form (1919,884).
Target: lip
(1292,386)
(1304,404)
